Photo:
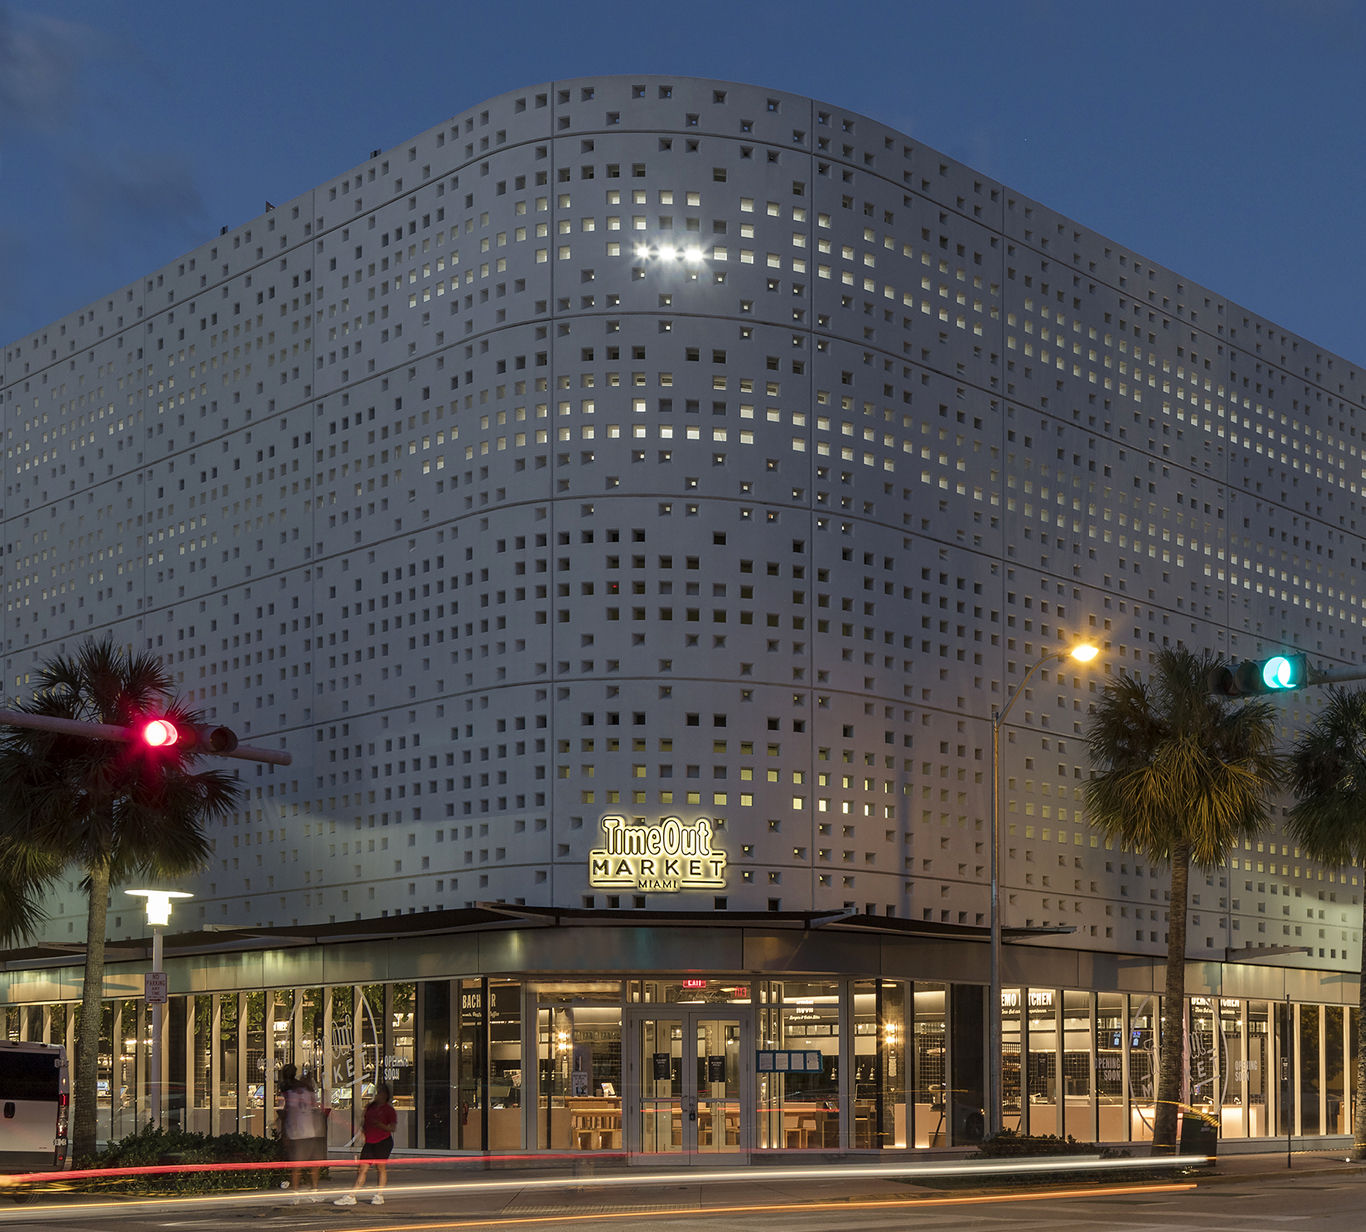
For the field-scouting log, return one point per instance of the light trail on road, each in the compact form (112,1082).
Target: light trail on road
(882,1204)
(633,1178)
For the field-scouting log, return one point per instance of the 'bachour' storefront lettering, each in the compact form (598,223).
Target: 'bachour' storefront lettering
(664,856)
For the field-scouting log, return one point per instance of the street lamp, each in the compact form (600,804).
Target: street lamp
(158,916)
(1081,653)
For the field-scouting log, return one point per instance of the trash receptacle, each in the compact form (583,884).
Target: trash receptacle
(1199,1135)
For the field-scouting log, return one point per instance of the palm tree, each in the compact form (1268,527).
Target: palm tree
(112,809)
(1328,775)
(1182,776)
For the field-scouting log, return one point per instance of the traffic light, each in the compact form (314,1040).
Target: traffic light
(1251,677)
(209,739)
(164,734)
(159,734)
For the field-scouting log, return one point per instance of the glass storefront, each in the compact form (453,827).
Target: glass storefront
(697,1066)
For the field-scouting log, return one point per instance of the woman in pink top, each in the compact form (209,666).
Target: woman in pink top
(378,1125)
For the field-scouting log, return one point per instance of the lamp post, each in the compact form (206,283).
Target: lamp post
(1081,653)
(158,916)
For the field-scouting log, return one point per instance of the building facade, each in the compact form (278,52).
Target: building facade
(829,439)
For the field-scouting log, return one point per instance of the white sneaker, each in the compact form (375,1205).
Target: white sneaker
(284,1184)
(345,1200)
(377,1200)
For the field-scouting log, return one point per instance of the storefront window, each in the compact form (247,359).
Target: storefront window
(332,1013)
(202,1060)
(579,1088)
(471,1068)
(1011,1111)
(125,1078)
(106,1079)
(930,1075)
(1352,1027)
(1042,1017)
(800,1111)
(1334,1074)
(225,1041)
(254,1044)
(1310,1083)
(1202,1057)
(1076,1065)
(1233,1070)
(1143,1020)
(282,1028)
(400,1072)
(505,1065)
(371,1034)
(1258,1068)
(1287,1073)
(176,1058)
(879,1064)
(1110,1067)
(967,1021)
(436,1065)
(311,1057)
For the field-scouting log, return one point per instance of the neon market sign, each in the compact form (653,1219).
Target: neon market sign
(666,856)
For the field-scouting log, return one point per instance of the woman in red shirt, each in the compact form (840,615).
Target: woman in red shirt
(378,1125)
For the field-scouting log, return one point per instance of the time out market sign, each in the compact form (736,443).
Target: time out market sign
(667,855)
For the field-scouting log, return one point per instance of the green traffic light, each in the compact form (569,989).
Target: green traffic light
(1278,673)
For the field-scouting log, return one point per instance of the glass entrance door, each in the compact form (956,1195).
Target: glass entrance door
(692,1079)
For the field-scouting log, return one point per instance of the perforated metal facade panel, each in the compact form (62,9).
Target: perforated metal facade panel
(643,447)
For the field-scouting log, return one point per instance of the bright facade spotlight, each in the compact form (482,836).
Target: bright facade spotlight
(1083,653)
(641,250)
(667,254)
(159,734)
(694,254)
(159,904)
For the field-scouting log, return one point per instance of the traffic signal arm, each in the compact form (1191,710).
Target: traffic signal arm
(109,731)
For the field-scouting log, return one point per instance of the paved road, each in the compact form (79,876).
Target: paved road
(837,1204)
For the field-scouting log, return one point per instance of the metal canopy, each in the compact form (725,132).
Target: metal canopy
(501,917)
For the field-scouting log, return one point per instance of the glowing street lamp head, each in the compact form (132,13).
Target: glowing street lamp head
(159,904)
(159,734)
(1083,653)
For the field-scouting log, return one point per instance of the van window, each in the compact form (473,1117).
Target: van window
(29,1076)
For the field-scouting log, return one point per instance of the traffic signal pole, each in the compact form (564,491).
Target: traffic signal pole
(128,735)
(1335,675)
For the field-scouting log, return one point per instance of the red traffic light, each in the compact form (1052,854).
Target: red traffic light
(159,734)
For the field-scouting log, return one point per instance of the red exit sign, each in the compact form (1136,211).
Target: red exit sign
(694,983)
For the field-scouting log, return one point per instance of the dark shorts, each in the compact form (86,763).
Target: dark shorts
(378,1150)
(299,1149)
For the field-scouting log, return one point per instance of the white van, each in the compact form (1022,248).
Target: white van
(34,1102)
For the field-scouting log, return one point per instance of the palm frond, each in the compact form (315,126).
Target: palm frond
(1328,776)
(1177,765)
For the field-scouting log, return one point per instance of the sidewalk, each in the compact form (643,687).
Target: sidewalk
(1272,1166)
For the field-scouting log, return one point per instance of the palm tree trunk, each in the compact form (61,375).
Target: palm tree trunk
(1359,1088)
(1173,1053)
(84,1124)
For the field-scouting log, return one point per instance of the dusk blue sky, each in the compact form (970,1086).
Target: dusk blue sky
(1224,140)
